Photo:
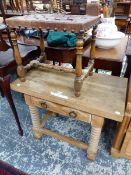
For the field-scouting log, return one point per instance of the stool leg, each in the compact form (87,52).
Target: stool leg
(78,80)
(78,69)
(36,122)
(97,124)
(42,57)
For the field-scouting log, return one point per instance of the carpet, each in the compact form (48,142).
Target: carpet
(49,156)
(6,169)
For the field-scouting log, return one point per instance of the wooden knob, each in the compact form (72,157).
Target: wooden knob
(73,114)
(43,105)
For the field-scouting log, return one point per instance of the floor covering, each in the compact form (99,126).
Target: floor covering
(49,156)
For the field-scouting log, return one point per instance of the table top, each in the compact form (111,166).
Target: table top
(114,54)
(52,21)
(101,95)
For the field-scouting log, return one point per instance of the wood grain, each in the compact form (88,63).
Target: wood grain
(63,110)
(126,147)
(62,137)
(121,146)
(101,95)
(114,54)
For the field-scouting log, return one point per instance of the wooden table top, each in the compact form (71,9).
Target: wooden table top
(114,54)
(52,21)
(101,95)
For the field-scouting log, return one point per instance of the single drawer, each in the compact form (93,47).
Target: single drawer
(63,110)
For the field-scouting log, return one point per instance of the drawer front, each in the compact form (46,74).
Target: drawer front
(63,110)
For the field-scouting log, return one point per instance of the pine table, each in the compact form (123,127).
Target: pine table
(102,97)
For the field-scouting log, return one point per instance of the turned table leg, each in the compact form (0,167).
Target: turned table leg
(97,123)
(36,122)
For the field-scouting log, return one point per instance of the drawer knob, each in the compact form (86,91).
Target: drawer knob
(73,114)
(43,105)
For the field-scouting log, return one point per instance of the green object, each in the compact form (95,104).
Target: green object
(65,39)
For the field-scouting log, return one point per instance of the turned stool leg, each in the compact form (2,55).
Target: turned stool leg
(20,67)
(97,124)
(42,57)
(92,49)
(36,122)
(78,70)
